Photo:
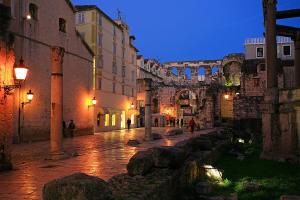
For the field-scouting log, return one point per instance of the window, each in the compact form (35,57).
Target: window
(106,120)
(33,11)
(100,40)
(100,61)
(259,52)
(132,59)
(100,20)
(132,92)
(99,83)
(287,50)
(123,71)
(113,120)
(114,68)
(114,88)
(123,90)
(80,18)
(132,119)
(62,25)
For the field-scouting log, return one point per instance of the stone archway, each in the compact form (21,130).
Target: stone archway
(232,73)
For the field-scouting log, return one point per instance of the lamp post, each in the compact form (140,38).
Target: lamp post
(29,96)
(20,74)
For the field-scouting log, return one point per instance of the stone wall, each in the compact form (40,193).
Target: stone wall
(7,61)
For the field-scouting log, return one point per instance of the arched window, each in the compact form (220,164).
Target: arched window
(33,11)
(187,73)
(214,70)
(201,74)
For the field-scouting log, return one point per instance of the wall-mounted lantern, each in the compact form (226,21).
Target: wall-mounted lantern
(20,74)
(93,102)
(29,96)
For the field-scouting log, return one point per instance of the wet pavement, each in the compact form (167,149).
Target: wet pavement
(103,155)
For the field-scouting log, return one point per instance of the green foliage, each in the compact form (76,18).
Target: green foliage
(272,178)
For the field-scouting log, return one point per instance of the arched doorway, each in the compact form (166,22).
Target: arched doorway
(187,105)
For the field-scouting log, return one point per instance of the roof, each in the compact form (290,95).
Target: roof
(70,5)
(94,7)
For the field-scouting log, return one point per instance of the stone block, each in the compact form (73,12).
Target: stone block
(77,186)
(174,132)
(141,163)
(167,157)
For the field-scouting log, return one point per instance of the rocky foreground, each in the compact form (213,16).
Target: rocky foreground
(184,171)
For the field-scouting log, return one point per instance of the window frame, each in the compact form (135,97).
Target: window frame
(263,52)
(64,30)
(283,50)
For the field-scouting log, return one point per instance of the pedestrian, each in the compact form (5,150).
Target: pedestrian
(64,128)
(128,123)
(156,122)
(71,128)
(181,122)
(177,122)
(192,125)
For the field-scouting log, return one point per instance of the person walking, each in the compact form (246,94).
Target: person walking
(192,125)
(71,128)
(128,123)
(156,122)
(181,122)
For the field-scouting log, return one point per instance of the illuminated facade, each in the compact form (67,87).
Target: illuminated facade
(115,69)
(37,27)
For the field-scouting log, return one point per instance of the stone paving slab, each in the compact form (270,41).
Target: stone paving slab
(103,155)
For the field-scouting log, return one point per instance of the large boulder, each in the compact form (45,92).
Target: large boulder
(144,162)
(141,163)
(175,131)
(77,186)
(156,136)
(167,157)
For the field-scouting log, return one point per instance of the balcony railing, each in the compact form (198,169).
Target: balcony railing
(280,40)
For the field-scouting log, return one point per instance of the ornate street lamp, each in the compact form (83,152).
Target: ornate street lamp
(132,105)
(20,74)
(20,71)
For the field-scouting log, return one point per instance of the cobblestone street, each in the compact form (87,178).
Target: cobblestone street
(103,155)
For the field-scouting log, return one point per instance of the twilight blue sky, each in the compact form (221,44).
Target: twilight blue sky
(171,30)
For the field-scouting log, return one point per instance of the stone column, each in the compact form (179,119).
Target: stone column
(297,59)
(148,114)
(271,44)
(56,101)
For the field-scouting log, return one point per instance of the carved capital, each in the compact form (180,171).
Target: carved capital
(57,54)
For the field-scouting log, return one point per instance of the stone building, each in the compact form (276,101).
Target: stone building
(253,80)
(151,69)
(37,27)
(7,60)
(115,69)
